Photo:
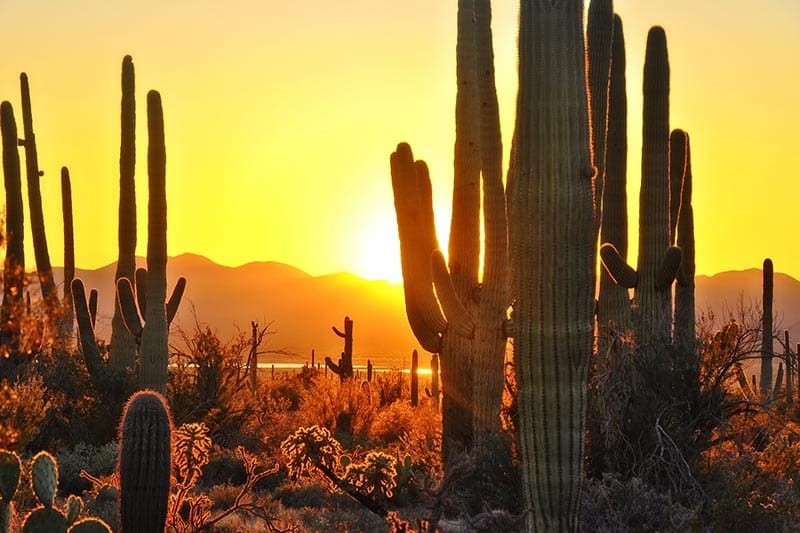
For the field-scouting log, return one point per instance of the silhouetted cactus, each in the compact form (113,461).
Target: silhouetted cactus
(369,371)
(553,259)
(685,335)
(658,262)
(765,387)
(414,378)
(10,468)
(344,368)
(790,367)
(123,344)
(613,305)
(144,463)
(33,173)
(67,312)
(14,267)
(152,336)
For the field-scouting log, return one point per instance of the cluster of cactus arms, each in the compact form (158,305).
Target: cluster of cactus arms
(658,262)
(344,368)
(123,344)
(464,321)
(145,462)
(14,267)
(46,517)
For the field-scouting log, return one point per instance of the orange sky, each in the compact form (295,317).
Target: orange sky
(281,116)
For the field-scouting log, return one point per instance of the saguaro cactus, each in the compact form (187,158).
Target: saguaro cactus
(685,335)
(67,314)
(33,173)
(765,385)
(14,267)
(613,305)
(144,463)
(344,369)
(151,285)
(552,254)
(658,262)
(790,367)
(414,378)
(123,344)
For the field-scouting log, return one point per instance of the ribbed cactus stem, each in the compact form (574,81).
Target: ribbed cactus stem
(685,335)
(44,478)
(144,463)
(33,174)
(414,378)
(154,348)
(67,317)
(599,38)
(14,267)
(552,253)
(344,368)
(123,344)
(765,386)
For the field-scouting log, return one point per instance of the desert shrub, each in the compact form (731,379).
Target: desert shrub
(614,504)
(343,407)
(394,420)
(224,467)
(23,407)
(96,460)
(389,387)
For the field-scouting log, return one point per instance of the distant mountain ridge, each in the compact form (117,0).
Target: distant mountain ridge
(304,307)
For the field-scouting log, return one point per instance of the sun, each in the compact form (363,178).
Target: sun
(379,249)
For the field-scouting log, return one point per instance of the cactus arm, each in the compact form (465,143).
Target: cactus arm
(458,318)
(333,366)
(93,306)
(776,388)
(677,170)
(69,253)
(127,304)
(91,352)
(669,268)
(175,299)
(337,332)
(621,273)
(140,278)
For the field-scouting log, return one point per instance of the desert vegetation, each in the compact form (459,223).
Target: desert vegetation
(558,399)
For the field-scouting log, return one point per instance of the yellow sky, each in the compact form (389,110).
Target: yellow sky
(280,118)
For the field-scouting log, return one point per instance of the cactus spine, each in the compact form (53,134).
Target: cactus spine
(123,344)
(765,387)
(344,369)
(144,463)
(685,336)
(14,268)
(414,378)
(658,262)
(33,173)
(552,254)
(67,316)
(613,306)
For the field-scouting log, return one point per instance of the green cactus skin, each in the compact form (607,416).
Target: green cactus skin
(45,520)
(73,509)
(144,463)
(685,335)
(658,262)
(9,481)
(67,316)
(552,254)
(33,173)
(14,269)
(123,344)
(345,367)
(90,525)
(44,478)
(765,386)
(414,378)
(599,38)
(6,515)
(613,305)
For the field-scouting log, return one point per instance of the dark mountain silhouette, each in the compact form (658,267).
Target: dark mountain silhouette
(304,307)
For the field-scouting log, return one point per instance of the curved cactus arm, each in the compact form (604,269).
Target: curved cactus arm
(127,305)
(458,318)
(91,352)
(140,278)
(175,299)
(669,268)
(93,306)
(336,369)
(619,270)
(338,332)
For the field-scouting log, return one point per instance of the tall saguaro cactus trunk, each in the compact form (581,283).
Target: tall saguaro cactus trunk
(685,336)
(66,324)
(123,344)
(40,251)
(14,266)
(552,253)
(154,348)
(613,305)
(765,386)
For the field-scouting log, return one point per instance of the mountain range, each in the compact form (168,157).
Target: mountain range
(302,308)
